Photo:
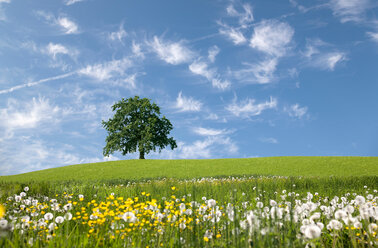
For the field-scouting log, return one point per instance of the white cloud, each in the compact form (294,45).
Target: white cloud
(212,53)
(136,49)
(236,36)
(269,140)
(171,52)
(186,104)
(349,10)
(332,59)
(107,70)
(68,26)
(373,36)
(201,68)
(70,2)
(249,108)
(210,147)
(25,154)
(328,61)
(25,115)
(2,14)
(21,86)
(272,37)
(212,116)
(245,17)
(130,81)
(55,49)
(296,111)
(220,84)
(118,35)
(209,131)
(260,72)
(319,55)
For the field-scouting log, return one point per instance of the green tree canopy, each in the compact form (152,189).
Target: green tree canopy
(137,126)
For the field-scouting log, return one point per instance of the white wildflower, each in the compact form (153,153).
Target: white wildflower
(48,216)
(59,219)
(3,223)
(359,200)
(68,216)
(312,231)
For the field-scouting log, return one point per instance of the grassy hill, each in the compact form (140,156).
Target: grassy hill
(147,169)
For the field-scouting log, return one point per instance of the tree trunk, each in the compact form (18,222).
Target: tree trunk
(141,154)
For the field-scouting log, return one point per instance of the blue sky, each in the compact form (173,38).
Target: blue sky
(236,78)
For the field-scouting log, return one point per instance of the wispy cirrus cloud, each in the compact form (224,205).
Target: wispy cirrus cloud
(66,24)
(373,36)
(21,115)
(273,40)
(187,104)
(171,52)
(71,2)
(118,35)
(107,70)
(249,107)
(269,140)
(137,50)
(210,131)
(245,16)
(2,13)
(233,34)
(349,10)
(201,68)
(210,147)
(260,72)
(296,111)
(34,83)
(322,55)
(272,37)
(54,49)
(212,53)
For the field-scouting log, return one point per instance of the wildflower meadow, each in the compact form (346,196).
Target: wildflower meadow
(255,211)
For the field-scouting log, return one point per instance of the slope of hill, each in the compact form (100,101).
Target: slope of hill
(147,169)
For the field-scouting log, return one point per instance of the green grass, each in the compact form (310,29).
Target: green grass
(188,169)
(273,179)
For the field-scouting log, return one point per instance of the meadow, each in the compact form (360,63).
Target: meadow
(260,202)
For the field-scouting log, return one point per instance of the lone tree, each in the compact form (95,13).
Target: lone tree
(137,125)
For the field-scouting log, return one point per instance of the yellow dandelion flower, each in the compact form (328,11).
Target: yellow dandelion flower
(2,211)
(206,239)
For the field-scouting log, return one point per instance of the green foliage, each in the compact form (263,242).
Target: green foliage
(188,169)
(137,126)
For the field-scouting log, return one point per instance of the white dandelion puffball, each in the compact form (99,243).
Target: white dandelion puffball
(360,200)
(81,196)
(273,203)
(211,203)
(335,225)
(340,214)
(182,225)
(48,216)
(59,219)
(26,189)
(312,232)
(3,224)
(68,216)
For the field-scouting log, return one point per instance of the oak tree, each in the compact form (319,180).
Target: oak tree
(137,126)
